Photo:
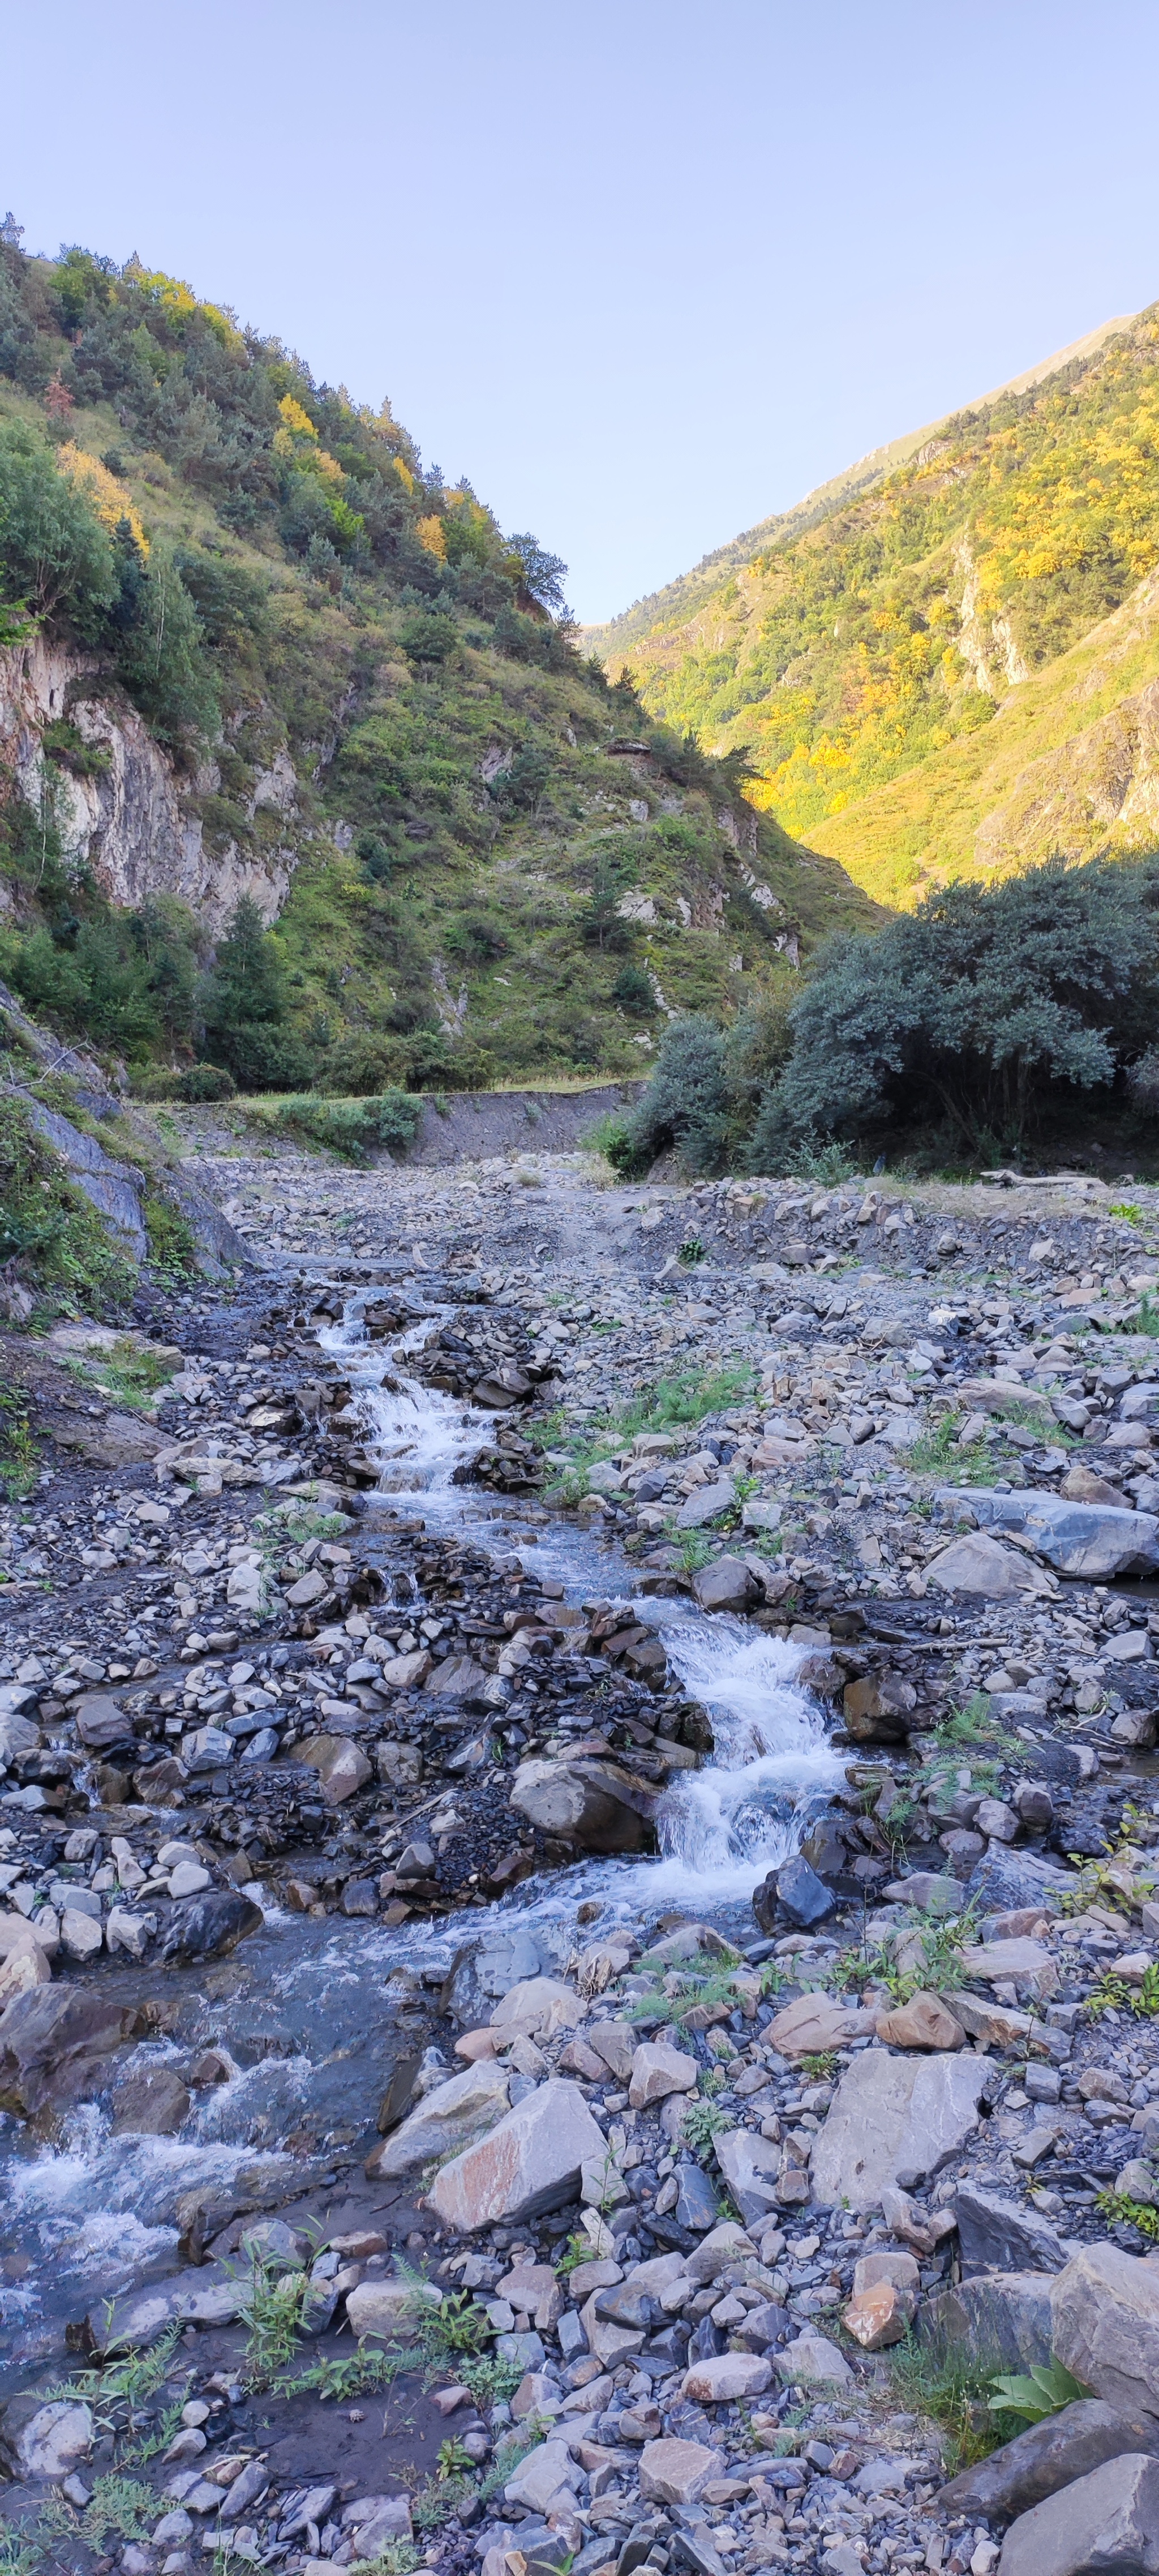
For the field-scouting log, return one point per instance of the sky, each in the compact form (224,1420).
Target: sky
(643,272)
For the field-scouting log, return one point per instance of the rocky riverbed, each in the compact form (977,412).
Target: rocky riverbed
(577,1948)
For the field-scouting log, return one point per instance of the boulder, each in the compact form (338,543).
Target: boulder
(1105,2306)
(1025,1965)
(206,2295)
(151,2103)
(1005,1881)
(674,2472)
(615,2044)
(878,2316)
(997,2235)
(801,1897)
(813,2362)
(341,1765)
(404,1673)
(814,2024)
(390,2310)
(659,2069)
(751,2167)
(50,2442)
(894,2120)
(538,2007)
(52,2039)
(444,2121)
(979,1565)
(101,1722)
(1106,2524)
(702,1507)
(728,1584)
(925,2022)
(459,1678)
(725,2244)
(879,1708)
(547,2479)
(581,1803)
(1089,1540)
(1046,2457)
(530,2163)
(1000,2320)
(206,1927)
(931,1891)
(726,2376)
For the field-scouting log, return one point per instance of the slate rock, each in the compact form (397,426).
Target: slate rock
(583,1804)
(997,2235)
(1081,2437)
(751,2167)
(697,2207)
(530,2163)
(727,2376)
(1105,2306)
(207,1927)
(893,2119)
(1089,1540)
(675,2472)
(1106,2524)
(45,2441)
(151,2103)
(802,1897)
(1001,2320)
(981,1566)
(814,2024)
(813,2362)
(50,2036)
(206,2295)
(446,2119)
(727,1584)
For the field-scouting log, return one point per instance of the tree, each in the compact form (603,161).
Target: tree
(542,575)
(974,1008)
(243,1008)
(55,557)
(686,1102)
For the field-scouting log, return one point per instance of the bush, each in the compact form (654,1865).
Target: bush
(352,1128)
(49,1232)
(194,1082)
(974,1009)
(55,556)
(686,1102)
(244,1005)
(633,991)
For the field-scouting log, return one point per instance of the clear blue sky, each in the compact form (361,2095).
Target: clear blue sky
(646,271)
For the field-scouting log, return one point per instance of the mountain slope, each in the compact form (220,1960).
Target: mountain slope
(875,665)
(248,647)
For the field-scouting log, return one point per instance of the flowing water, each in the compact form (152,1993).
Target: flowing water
(322,2008)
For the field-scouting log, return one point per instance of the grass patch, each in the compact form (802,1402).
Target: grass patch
(130,1372)
(955,2392)
(702,2122)
(172,1242)
(50,1234)
(18,1451)
(118,2504)
(353,1129)
(271,2312)
(1119,2211)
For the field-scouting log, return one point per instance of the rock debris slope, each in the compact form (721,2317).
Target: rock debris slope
(491,2209)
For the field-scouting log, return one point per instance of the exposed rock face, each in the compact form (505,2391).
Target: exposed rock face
(129,823)
(1002,2318)
(1089,1540)
(1105,2307)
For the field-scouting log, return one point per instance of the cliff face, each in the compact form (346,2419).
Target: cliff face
(130,820)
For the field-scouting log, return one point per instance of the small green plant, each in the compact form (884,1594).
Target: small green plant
(1120,2211)
(18,1451)
(1147,1319)
(363,2373)
(819,2066)
(20,2553)
(397,2558)
(691,1252)
(454,2460)
(702,2122)
(172,1242)
(952,2387)
(693,1547)
(271,2312)
(117,2504)
(1128,1209)
(1034,2394)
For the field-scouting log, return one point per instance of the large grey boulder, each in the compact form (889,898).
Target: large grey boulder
(52,2040)
(1106,2327)
(1106,2524)
(1000,2320)
(446,2119)
(1046,2457)
(750,2165)
(727,1585)
(47,2442)
(894,2120)
(207,2295)
(997,2235)
(1090,1540)
(596,1805)
(531,2161)
(981,1565)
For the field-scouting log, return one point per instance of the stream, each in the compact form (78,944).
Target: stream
(318,2010)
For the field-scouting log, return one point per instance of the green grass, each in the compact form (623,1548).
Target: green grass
(271,2312)
(671,1404)
(118,2504)
(353,1129)
(953,2388)
(50,1234)
(18,1450)
(172,1242)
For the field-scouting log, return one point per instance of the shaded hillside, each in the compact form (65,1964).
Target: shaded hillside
(252,647)
(893,669)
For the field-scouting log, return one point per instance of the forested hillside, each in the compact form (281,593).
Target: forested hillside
(258,663)
(947,630)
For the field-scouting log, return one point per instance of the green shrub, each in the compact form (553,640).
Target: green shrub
(172,1242)
(352,1128)
(686,1102)
(55,556)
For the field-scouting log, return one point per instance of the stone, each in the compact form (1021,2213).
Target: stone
(306,1591)
(615,2043)
(389,2309)
(341,1765)
(580,1804)
(658,2069)
(996,1821)
(925,2022)
(539,2007)
(205,2295)
(547,2474)
(878,2316)
(879,1708)
(979,1565)
(727,1584)
(53,2440)
(1001,2320)
(207,1748)
(811,2361)
(1105,2305)
(403,1673)
(725,2244)
(390,2521)
(1106,2524)
(894,2119)
(24,1963)
(997,2235)
(50,2037)
(1050,2455)
(101,1722)
(1085,1540)
(751,2167)
(130,1933)
(704,1505)
(151,2103)
(675,2472)
(1026,1965)
(245,2493)
(696,2202)
(931,1892)
(530,2163)
(802,1898)
(445,2120)
(814,2024)
(725,2376)
(207,1927)
(1004,1881)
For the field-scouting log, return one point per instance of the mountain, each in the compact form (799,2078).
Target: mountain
(946,662)
(253,654)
